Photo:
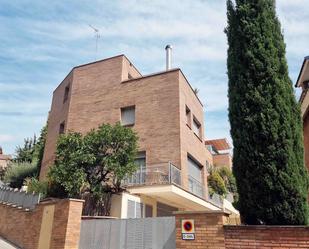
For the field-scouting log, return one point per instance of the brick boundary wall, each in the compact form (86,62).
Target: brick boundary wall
(53,224)
(274,237)
(211,232)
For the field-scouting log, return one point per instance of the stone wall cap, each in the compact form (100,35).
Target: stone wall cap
(51,200)
(263,226)
(203,212)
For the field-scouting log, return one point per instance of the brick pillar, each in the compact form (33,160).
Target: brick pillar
(66,224)
(209,232)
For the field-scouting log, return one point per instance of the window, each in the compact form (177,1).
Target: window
(196,127)
(140,159)
(66,94)
(188,116)
(195,178)
(135,209)
(148,211)
(128,115)
(61,127)
(194,170)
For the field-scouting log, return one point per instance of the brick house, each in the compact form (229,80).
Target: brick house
(4,159)
(166,114)
(220,150)
(303,82)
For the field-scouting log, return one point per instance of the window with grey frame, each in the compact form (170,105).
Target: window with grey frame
(128,116)
(196,127)
(195,178)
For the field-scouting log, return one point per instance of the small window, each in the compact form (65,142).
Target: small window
(148,211)
(196,127)
(128,116)
(188,116)
(135,209)
(61,128)
(66,93)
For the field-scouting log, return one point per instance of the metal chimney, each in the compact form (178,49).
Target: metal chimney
(168,49)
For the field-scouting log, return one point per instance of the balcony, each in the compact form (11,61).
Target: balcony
(196,187)
(162,173)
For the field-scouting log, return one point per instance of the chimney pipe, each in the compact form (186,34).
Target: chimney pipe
(168,49)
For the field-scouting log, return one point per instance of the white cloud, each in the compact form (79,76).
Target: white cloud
(4,138)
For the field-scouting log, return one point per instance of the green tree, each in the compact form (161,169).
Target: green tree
(228,178)
(216,184)
(265,119)
(25,154)
(93,166)
(16,173)
(39,149)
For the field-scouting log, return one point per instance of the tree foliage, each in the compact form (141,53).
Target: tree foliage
(265,119)
(216,184)
(16,173)
(92,166)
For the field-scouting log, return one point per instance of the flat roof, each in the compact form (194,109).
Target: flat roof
(165,72)
(129,80)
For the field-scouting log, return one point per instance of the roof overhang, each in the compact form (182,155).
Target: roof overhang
(219,144)
(304,73)
(175,196)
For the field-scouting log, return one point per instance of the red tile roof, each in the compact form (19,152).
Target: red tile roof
(219,144)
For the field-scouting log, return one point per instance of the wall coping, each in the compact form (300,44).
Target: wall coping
(214,212)
(56,200)
(98,217)
(232,227)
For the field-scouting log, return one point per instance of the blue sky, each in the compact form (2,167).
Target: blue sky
(41,41)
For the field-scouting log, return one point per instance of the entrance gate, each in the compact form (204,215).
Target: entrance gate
(145,233)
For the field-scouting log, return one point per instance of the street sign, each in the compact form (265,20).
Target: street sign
(187,229)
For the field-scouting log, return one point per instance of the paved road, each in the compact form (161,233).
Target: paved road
(5,245)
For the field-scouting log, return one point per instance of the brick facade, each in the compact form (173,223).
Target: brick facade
(99,90)
(25,229)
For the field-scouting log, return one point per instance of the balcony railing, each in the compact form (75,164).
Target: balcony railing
(216,200)
(196,187)
(163,173)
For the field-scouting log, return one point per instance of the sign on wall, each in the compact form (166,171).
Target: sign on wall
(187,229)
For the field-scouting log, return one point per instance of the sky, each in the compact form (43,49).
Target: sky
(40,41)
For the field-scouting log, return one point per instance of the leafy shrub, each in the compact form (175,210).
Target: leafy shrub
(36,186)
(18,172)
(216,183)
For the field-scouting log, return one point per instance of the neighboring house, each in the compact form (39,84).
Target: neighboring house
(220,150)
(303,82)
(4,160)
(168,117)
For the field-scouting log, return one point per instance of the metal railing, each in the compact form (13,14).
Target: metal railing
(196,187)
(216,200)
(18,198)
(163,173)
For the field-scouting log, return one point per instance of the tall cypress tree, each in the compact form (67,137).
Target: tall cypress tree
(265,119)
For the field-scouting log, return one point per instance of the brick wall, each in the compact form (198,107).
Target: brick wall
(209,231)
(274,237)
(212,232)
(61,219)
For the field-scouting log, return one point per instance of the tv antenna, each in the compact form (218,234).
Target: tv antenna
(97,36)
